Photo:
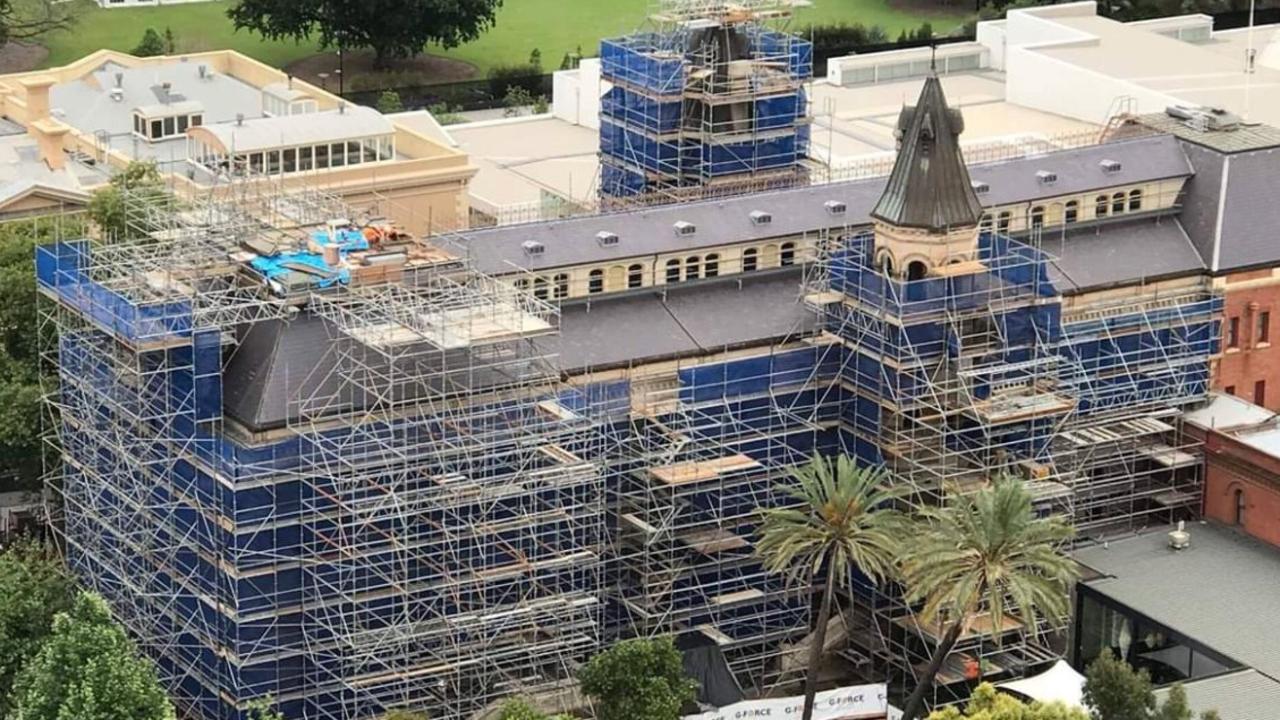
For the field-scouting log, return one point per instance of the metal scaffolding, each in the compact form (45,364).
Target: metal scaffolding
(711,101)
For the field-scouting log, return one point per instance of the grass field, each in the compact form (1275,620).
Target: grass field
(553,26)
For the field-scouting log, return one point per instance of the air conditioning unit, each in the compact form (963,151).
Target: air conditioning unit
(760,217)
(684,229)
(835,207)
(1110,166)
(606,238)
(533,247)
(1046,177)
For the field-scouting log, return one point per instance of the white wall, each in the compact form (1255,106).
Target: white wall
(1050,85)
(575,94)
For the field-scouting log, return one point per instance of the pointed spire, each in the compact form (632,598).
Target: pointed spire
(929,187)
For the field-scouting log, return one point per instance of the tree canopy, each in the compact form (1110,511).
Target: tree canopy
(88,669)
(139,183)
(1113,690)
(391,28)
(28,19)
(34,586)
(987,704)
(638,679)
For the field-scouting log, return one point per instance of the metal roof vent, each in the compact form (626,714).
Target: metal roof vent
(684,229)
(117,94)
(1046,177)
(835,207)
(1180,539)
(1110,166)
(980,187)
(760,217)
(533,247)
(606,238)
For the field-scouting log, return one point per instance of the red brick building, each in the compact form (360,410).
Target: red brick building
(1249,366)
(1241,463)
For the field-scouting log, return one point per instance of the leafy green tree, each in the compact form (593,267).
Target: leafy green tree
(391,28)
(845,519)
(402,714)
(521,709)
(139,184)
(985,552)
(1115,691)
(151,44)
(170,42)
(88,669)
(389,102)
(34,586)
(263,709)
(30,19)
(638,679)
(987,704)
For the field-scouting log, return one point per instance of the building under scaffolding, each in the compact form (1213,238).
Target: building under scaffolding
(308,458)
(710,100)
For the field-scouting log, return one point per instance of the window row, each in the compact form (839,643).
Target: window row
(560,286)
(300,159)
(1261,330)
(165,128)
(1104,205)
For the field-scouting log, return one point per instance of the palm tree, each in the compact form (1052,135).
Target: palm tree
(986,551)
(846,518)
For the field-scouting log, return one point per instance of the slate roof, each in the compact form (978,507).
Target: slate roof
(1235,577)
(728,220)
(1114,253)
(278,363)
(929,186)
(1243,695)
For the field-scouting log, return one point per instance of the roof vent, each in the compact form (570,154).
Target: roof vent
(835,207)
(684,229)
(606,238)
(533,247)
(117,94)
(119,79)
(1046,177)
(1180,539)
(1110,166)
(980,187)
(760,217)
(239,118)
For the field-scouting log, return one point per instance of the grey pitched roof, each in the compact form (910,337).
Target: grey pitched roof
(278,364)
(1202,592)
(1117,253)
(1250,215)
(1243,695)
(929,186)
(692,319)
(797,211)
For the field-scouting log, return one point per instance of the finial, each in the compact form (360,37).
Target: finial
(933,58)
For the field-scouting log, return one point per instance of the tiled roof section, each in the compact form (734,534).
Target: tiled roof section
(929,187)
(691,320)
(1243,695)
(1120,253)
(1250,215)
(725,221)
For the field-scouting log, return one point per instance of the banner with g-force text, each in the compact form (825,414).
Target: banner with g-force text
(860,702)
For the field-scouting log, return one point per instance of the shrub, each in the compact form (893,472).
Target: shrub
(151,45)
(389,102)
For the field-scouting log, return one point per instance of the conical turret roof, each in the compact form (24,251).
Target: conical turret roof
(929,188)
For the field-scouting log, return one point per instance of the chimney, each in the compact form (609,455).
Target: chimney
(119,79)
(37,91)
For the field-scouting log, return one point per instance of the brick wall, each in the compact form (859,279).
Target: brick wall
(1251,355)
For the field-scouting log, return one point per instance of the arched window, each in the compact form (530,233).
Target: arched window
(1006,218)
(635,276)
(561,290)
(595,281)
(711,265)
(1240,506)
(540,288)
(673,271)
(692,267)
(1071,212)
(1037,217)
(984,225)
(884,261)
(750,259)
(1117,203)
(916,270)
(1135,200)
(1103,202)
(522,284)
(788,254)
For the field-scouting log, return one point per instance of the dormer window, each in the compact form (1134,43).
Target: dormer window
(155,123)
(980,187)
(1047,177)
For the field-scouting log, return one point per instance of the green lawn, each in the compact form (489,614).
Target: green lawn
(553,26)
